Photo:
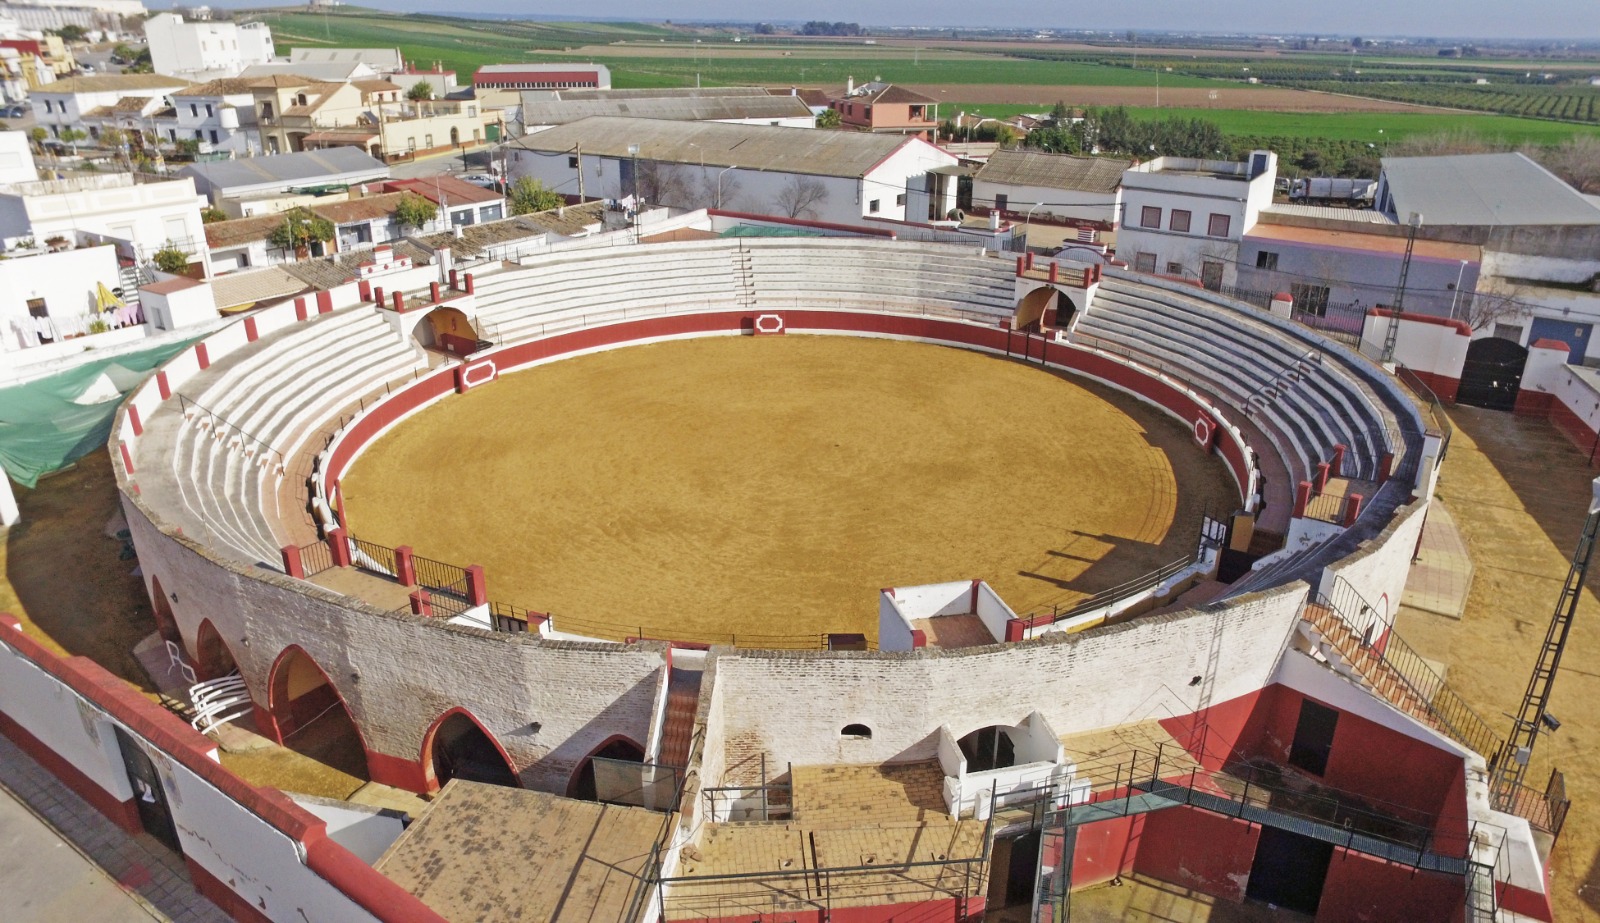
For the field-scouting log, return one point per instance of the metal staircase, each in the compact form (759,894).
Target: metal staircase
(129,278)
(742,266)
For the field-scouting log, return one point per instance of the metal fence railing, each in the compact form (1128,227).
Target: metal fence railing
(505,617)
(1391,655)
(316,557)
(1436,414)
(194,410)
(437,575)
(372,557)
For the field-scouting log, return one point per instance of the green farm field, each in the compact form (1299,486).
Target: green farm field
(1337,126)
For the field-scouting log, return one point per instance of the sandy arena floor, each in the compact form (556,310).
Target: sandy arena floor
(768,487)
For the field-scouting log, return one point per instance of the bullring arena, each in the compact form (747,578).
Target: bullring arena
(794,579)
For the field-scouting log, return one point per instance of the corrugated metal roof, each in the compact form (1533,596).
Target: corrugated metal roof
(1053,171)
(561,111)
(752,147)
(652,93)
(325,165)
(1483,190)
(1327,212)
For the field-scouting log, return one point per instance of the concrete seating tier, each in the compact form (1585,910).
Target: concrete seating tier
(1319,405)
(277,392)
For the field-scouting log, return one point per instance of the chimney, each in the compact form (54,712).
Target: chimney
(849,86)
(994,220)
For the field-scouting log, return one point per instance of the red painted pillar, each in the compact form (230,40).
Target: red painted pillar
(919,638)
(1352,509)
(162,386)
(1028,257)
(292,565)
(250,333)
(377,295)
(339,547)
(421,605)
(455,279)
(324,301)
(364,289)
(1302,497)
(1015,630)
(1385,467)
(400,301)
(433,293)
(1337,462)
(1021,266)
(469,283)
(461,379)
(127,457)
(134,422)
(477,585)
(202,356)
(1322,478)
(405,566)
(299,309)
(1055,271)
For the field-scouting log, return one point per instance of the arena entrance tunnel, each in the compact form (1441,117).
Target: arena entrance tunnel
(1045,306)
(447,329)
(212,658)
(306,714)
(586,785)
(458,747)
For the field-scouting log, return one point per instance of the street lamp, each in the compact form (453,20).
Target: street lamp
(719,185)
(1455,293)
(1027,225)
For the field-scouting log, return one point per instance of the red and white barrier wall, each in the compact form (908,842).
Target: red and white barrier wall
(252,851)
(1435,348)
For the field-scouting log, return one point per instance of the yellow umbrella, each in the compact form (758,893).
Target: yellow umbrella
(104,300)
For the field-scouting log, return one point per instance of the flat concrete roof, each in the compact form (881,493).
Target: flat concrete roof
(488,853)
(1370,243)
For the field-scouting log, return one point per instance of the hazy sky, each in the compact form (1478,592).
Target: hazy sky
(1556,19)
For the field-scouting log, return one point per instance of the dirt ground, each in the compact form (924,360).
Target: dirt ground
(1276,99)
(766,488)
(66,579)
(1519,492)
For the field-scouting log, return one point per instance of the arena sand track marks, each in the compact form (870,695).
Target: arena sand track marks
(770,486)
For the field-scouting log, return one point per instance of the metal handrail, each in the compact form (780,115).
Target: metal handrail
(184,403)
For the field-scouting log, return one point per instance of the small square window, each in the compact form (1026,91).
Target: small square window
(1179,220)
(1174,269)
(1266,259)
(874,206)
(1150,217)
(572,162)
(1218,226)
(1144,262)
(900,199)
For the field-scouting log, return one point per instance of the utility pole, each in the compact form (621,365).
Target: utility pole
(1533,716)
(1400,291)
(578,148)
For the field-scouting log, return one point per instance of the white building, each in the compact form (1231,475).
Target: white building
(95,15)
(65,103)
(50,297)
(205,50)
(16,158)
(1023,185)
(1184,217)
(379,60)
(220,114)
(105,208)
(829,176)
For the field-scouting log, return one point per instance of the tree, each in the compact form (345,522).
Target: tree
(300,228)
(212,214)
(1485,309)
(170,258)
(421,91)
(528,195)
(71,33)
(38,134)
(828,118)
(72,136)
(1059,113)
(1576,160)
(124,53)
(663,183)
(414,211)
(1005,136)
(799,197)
(189,147)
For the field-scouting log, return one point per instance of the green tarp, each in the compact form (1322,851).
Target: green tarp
(51,422)
(749,230)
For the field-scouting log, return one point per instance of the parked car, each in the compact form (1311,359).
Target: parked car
(482,179)
(14,112)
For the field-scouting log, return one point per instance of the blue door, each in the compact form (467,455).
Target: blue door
(1574,335)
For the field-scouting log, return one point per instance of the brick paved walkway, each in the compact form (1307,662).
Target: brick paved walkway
(61,860)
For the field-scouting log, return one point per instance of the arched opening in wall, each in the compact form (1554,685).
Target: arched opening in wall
(988,748)
(455,137)
(1065,311)
(1035,309)
(212,658)
(856,732)
(449,330)
(313,720)
(166,621)
(457,747)
(608,781)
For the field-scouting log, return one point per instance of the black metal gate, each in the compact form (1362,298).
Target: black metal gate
(148,795)
(1492,375)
